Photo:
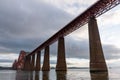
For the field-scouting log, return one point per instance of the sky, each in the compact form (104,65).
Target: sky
(25,24)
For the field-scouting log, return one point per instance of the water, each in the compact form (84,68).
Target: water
(71,74)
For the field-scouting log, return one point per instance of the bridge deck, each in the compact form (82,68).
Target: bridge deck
(97,9)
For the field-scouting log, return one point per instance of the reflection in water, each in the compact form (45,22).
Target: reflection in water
(72,74)
(37,75)
(60,75)
(99,76)
(31,75)
(45,75)
(27,75)
(18,75)
(24,75)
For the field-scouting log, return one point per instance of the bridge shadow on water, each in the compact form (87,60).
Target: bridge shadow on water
(29,75)
(59,75)
(99,76)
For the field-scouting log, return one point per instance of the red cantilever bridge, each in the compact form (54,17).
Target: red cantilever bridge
(97,60)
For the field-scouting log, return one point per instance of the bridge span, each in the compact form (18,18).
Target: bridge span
(97,60)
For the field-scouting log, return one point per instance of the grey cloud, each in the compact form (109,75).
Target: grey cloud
(111,51)
(33,20)
(80,49)
(25,24)
(4,61)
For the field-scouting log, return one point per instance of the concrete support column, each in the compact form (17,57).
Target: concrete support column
(97,60)
(33,62)
(46,63)
(27,65)
(38,64)
(61,61)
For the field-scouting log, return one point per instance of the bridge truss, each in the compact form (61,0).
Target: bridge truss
(97,9)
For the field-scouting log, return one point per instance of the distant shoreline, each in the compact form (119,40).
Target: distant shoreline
(6,68)
(74,68)
(10,68)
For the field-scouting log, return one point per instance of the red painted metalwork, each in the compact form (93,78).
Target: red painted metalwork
(19,64)
(97,9)
(14,66)
(21,60)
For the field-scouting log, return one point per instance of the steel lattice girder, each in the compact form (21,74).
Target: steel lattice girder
(97,9)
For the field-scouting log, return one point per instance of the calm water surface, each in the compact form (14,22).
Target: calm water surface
(71,74)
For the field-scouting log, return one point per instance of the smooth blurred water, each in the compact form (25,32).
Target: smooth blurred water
(71,74)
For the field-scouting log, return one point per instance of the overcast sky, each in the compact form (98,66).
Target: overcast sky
(25,24)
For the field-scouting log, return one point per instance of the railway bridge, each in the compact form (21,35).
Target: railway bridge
(97,60)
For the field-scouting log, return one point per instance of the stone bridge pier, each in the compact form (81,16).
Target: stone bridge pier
(38,61)
(46,63)
(61,59)
(97,60)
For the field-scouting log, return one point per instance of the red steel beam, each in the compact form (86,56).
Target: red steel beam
(97,9)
